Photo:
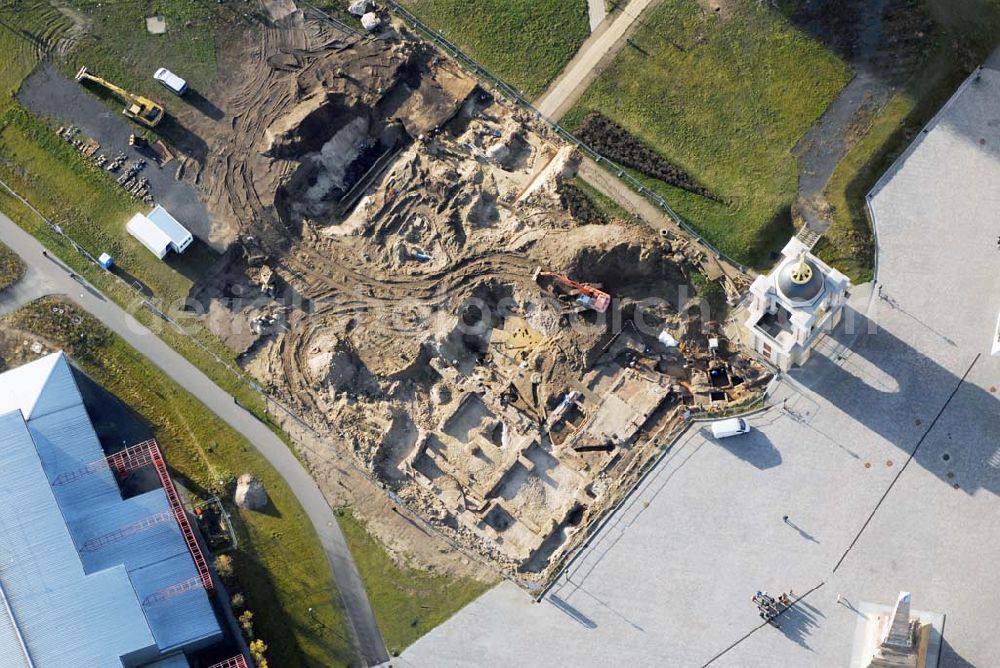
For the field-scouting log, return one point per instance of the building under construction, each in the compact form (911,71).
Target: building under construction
(89,577)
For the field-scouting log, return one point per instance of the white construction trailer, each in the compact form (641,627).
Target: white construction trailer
(159,232)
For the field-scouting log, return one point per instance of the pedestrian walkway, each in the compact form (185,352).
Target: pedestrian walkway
(31,286)
(606,40)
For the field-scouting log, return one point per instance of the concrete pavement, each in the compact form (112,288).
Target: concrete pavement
(30,287)
(55,279)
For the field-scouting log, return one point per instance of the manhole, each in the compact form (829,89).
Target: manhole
(868,465)
(946,456)
(993,389)
(888,462)
(918,422)
(950,475)
(955,485)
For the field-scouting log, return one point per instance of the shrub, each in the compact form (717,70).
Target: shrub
(574,200)
(246,623)
(615,142)
(257,650)
(224,566)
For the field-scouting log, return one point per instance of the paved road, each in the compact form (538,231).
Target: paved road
(579,72)
(365,632)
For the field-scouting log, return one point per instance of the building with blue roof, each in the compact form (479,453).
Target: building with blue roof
(83,570)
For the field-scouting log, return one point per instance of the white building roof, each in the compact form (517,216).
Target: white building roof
(179,235)
(149,235)
(159,232)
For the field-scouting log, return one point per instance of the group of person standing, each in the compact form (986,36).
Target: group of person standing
(770,607)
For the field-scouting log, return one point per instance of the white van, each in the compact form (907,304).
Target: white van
(171,81)
(729,427)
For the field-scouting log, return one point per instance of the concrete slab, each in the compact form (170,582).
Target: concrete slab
(596,12)
(156,25)
(866,640)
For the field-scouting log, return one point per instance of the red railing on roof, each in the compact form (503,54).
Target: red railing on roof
(123,462)
(96,543)
(181,515)
(236,662)
(130,459)
(172,590)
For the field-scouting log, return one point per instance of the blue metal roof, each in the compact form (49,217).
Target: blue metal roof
(184,620)
(55,532)
(64,616)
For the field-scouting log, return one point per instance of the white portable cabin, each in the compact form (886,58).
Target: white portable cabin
(159,232)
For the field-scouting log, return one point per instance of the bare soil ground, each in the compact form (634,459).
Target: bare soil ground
(383,217)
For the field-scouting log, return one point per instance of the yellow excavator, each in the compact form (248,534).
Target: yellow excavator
(137,107)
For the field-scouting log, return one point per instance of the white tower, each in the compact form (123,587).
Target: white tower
(791,306)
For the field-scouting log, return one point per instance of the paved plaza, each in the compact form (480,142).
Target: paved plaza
(668,580)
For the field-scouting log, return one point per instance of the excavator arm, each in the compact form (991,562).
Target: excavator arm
(589,297)
(142,109)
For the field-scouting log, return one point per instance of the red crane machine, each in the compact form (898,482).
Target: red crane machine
(587,295)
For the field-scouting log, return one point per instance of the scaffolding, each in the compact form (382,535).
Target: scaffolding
(235,662)
(124,462)
(182,520)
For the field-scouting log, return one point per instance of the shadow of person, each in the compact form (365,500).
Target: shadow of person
(797,624)
(802,532)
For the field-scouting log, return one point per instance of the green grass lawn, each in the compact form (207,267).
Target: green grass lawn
(725,99)
(524,42)
(119,48)
(25,25)
(280,565)
(967,31)
(19,23)
(408,602)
